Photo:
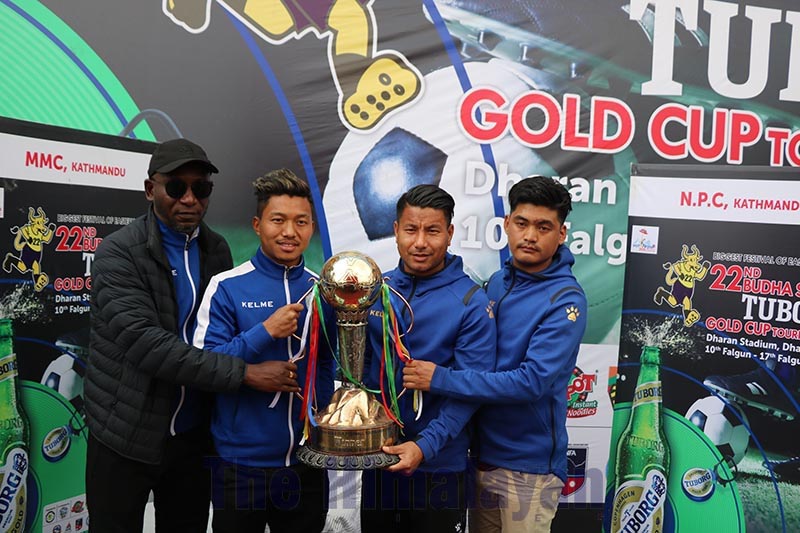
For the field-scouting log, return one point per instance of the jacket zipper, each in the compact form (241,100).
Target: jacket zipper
(288,294)
(183,329)
(510,287)
(410,296)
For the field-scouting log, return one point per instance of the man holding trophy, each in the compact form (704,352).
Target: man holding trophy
(427,308)
(452,327)
(252,312)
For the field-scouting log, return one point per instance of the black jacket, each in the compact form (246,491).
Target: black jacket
(136,357)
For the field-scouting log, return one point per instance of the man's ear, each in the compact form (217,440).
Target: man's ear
(148,189)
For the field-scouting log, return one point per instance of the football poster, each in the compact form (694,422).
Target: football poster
(713,282)
(63,192)
(366,98)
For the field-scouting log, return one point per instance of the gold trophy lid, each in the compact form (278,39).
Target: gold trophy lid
(350,281)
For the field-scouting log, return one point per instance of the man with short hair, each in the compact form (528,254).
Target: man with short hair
(147,416)
(252,312)
(452,327)
(540,311)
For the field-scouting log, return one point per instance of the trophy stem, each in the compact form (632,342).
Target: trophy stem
(352,341)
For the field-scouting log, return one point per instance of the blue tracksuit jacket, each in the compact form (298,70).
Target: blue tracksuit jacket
(246,427)
(452,328)
(541,319)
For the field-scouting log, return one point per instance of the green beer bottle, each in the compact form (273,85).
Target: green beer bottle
(13,438)
(642,456)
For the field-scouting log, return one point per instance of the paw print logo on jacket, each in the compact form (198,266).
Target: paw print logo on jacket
(572,313)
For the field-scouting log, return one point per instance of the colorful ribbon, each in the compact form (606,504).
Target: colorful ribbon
(393,348)
(310,396)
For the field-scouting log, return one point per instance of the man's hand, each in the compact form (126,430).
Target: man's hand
(283,321)
(410,457)
(417,375)
(272,376)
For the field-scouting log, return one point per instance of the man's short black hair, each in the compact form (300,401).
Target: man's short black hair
(427,196)
(279,182)
(541,191)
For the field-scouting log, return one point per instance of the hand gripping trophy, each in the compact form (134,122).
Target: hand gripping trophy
(350,432)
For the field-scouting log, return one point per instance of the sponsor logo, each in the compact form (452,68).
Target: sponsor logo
(647,393)
(698,484)
(639,505)
(644,239)
(56,444)
(258,305)
(8,367)
(12,491)
(576,470)
(578,390)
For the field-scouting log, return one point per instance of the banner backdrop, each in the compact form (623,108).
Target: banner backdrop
(367,98)
(712,280)
(62,192)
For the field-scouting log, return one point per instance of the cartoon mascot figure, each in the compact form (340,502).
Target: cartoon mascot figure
(371,84)
(29,241)
(681,277)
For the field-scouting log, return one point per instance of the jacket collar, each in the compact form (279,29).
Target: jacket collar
(560,266)
(172,238)
(154,244)
(276,270)
(453,270)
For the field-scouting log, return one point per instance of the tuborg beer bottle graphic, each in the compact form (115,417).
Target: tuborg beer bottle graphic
(13,439)
(642,456)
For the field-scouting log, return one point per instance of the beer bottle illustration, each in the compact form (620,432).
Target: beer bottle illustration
(642,456)
(13,438)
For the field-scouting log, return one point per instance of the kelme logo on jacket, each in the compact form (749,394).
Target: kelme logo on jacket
(258,305)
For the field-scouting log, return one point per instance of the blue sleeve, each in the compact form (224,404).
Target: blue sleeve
(217,327)
(552,347)
(474,352)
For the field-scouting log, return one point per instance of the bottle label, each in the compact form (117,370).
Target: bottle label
(8,367)
(649,392)
(12,491)
(639,505)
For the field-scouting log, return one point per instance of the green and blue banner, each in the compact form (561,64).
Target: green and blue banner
(366,98)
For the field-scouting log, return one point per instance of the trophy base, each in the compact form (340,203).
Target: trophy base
(329,461)
(349,448)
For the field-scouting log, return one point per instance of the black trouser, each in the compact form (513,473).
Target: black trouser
(117,488)
(425,502)
(291,499)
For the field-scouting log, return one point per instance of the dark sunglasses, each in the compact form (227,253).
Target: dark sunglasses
(176,188)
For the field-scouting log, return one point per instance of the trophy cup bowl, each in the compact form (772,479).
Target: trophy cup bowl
(350,432)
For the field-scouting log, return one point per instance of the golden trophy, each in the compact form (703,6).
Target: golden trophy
(350,432)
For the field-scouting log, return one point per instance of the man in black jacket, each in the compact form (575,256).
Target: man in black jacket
(145,383)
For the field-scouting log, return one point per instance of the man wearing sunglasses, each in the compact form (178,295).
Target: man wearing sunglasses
(145,406)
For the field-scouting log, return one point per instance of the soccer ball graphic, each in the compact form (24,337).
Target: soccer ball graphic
(65,376)
(719,422)
(425,145)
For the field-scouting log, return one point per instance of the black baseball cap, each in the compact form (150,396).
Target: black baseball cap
(170,155)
